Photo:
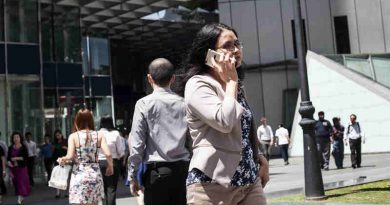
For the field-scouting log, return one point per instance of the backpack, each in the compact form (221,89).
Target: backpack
(350,126)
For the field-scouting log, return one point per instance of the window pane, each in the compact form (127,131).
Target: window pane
(68,36)
(25,105)
(22,21)
(1,21)
(99,56)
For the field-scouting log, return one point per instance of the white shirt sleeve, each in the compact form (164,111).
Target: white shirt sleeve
(120,147)
(272,133)
(259,133)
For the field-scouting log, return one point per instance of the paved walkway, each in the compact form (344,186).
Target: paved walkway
(284,180)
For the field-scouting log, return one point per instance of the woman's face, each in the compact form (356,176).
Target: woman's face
(228,43)
(16,139)
(58,136)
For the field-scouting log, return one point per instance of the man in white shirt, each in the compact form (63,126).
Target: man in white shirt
(266,137)
(117,149)
(354,134)
(32,153)
(283,141)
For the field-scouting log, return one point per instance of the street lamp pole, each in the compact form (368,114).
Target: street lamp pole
(314,188)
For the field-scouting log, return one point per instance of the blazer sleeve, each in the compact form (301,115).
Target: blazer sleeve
(218,114)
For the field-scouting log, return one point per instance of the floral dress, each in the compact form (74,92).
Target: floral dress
(86,183)
(246,172)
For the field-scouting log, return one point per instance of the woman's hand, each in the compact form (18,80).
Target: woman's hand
(226,69)
(61,161)
(109,170)
(264,170)
(14,159)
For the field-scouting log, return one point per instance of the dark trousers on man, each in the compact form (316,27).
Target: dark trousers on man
(266,148)
(110,182)
(356,152)
(323,147)
(30,169)
(165,183)
(48,166)
(284,151)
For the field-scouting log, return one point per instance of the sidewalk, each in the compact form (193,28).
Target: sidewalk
(284,180)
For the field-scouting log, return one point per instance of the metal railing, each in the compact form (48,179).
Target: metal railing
(373,66)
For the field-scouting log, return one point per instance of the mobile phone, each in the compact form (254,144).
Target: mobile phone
(213,54)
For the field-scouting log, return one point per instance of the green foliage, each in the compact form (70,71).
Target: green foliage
(371,193)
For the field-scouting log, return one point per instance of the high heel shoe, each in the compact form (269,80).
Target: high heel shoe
(20,200)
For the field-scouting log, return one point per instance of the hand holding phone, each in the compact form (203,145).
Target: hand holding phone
(213,54)
(223,64)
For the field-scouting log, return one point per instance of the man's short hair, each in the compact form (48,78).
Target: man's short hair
(353,115)
(161,71)
(28,134)
(321,113)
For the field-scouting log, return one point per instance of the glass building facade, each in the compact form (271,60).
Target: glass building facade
(49,69)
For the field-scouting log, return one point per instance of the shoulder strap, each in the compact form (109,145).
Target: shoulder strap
(97,141)
(78,137)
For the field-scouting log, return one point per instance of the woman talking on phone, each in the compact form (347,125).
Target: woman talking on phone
(226,167)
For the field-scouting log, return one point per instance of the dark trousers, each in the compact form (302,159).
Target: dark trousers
(165,183)
(30,168)
(48,166)
(323,147)
(2,184)
(284,151)
(356,151)
(266,148)
(110,182)
(338,153)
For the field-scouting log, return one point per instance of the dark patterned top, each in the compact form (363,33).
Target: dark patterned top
(246,172)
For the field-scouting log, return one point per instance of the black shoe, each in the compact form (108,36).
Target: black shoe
(358,166)
(353,166)
(286,163)
(326,168)
(58,196)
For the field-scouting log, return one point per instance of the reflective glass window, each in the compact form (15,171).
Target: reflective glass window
(21,20)
(1,21)
(99,56)
(25,105)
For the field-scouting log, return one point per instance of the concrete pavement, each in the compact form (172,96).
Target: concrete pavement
(284,180)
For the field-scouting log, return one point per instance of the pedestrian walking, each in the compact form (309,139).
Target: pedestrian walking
(338,142)
(283,142)
(17,162)
(4,146)
(2,171)
(158,137)
(32,154)
(117,150)
(225,161)
(323,132)
(86,183)
(60,149)
(266,137)
(354,135)
(47,154)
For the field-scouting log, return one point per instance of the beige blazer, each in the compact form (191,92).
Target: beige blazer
(215,128)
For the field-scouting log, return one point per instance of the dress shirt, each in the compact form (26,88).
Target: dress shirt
(159,129)
(283,136)
(265,133)
(353,131)
(31,148)
(114,143)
